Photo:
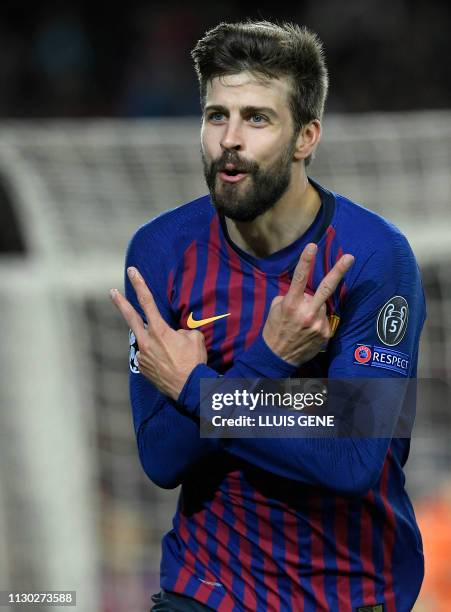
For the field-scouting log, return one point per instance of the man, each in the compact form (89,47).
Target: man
(254,281)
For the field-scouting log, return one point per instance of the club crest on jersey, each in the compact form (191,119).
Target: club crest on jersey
(132,361)
(392,321)
(334,321)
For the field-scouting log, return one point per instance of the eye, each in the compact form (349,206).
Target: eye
(258,119)
(215,116)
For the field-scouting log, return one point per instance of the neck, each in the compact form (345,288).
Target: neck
(278,227)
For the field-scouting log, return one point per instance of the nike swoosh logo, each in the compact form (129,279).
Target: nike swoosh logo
(192,324)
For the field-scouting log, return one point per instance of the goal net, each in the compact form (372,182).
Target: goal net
(76,510)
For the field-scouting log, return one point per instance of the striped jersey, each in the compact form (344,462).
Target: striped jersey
(281,524)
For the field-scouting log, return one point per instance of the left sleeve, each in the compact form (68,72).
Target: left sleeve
(384,313)
(383,316)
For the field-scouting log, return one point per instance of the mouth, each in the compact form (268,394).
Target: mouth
(232,176)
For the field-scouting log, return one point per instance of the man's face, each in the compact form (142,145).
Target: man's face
(248,142)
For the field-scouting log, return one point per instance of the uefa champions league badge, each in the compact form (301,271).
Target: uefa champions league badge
(132,361)
(392,321)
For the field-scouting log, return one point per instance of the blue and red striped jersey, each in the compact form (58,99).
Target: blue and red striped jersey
(303,524)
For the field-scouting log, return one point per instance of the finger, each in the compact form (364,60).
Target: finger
(301,274)
(330,282)
(129,314)
(322,311)
(146,300)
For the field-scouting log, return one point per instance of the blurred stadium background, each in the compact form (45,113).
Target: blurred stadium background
(99,132)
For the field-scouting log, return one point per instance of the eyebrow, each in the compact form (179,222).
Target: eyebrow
(244,110)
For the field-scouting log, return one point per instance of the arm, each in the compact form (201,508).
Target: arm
(168,440)
(168,437)
(345,465)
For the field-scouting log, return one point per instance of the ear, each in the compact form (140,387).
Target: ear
(308,139)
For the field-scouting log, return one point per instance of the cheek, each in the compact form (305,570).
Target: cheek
(209,143)
(265,146)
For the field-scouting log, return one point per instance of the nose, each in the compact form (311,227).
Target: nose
(232,137)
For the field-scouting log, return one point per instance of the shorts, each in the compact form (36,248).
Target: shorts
(165,601)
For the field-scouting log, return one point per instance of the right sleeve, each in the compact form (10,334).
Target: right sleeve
(168,441)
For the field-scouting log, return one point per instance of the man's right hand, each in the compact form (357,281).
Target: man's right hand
(297,327)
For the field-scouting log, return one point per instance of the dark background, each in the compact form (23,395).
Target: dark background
(131,59)
(89,185)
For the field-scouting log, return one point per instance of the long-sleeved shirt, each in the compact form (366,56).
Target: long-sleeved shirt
(281,523)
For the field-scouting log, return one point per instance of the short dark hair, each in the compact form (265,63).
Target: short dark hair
(269,50)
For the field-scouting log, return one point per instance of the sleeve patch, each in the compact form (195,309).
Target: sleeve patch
(382,357)
(392,321)
(132,361)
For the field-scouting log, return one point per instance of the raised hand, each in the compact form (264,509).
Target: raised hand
(297,327)
(166,357)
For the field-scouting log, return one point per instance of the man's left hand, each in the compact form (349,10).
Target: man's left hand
(166,357)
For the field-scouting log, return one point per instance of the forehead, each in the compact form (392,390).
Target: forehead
(247,89)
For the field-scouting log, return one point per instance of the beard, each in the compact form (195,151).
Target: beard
(265,186)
